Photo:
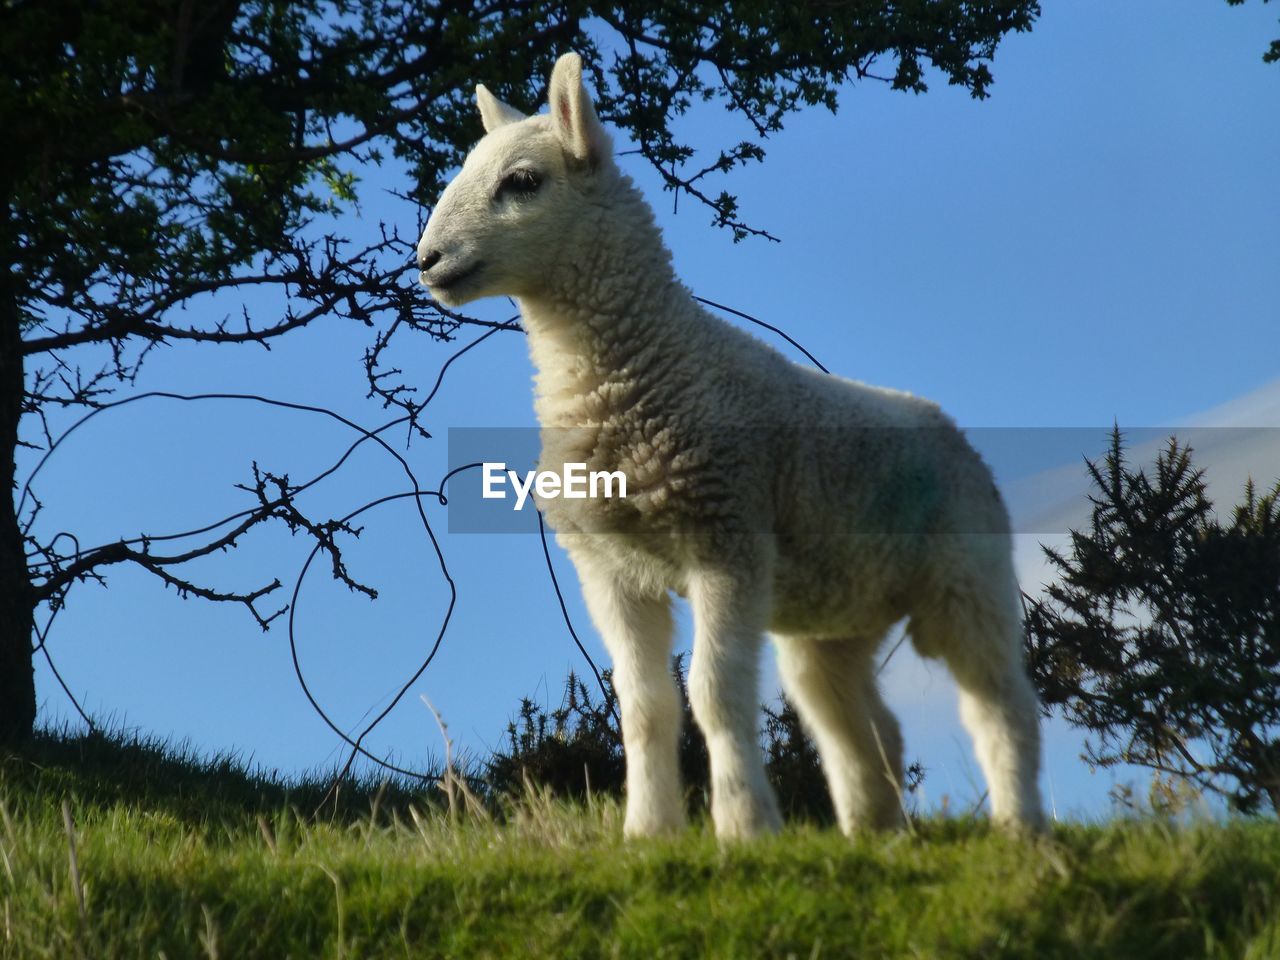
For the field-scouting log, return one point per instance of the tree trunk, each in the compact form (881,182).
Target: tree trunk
(17,679)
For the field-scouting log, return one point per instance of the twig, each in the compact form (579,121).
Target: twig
(447,782)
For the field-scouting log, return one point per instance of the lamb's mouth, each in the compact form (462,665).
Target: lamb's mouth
(455,278)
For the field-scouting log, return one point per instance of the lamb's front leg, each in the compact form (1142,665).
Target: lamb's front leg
(637,631)
(730,612)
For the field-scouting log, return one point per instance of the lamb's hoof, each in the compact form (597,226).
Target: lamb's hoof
(1031,824)
(745,820)
(882,820)
(642,822)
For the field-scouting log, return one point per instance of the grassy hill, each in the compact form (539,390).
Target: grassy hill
(175,857)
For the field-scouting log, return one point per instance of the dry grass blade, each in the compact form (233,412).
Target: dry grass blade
(461,798)
(74,860)
(268,835)
(337,895)
(74,865)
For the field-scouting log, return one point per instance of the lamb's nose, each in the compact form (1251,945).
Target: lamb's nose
(428,260)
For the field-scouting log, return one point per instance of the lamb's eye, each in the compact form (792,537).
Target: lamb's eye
(519,183)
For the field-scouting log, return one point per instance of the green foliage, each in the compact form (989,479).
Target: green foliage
(1161,637)
(573,750)
(257,877)
(159,147)
(576,748)
(1272,55)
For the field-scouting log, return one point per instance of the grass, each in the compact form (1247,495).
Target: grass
(178,858)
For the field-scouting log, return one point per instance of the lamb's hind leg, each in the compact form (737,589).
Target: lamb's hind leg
(833,687)
(637,631)
(729,617)
(980,639)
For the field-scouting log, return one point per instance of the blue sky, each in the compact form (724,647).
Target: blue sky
(1097,241)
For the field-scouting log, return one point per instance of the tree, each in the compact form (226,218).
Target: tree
(1162,636)
(1272,54)
(165,156)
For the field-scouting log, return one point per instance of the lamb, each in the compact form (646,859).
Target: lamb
(775,498)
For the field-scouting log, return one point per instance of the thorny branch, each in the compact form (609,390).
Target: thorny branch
(366,286)
(59,570)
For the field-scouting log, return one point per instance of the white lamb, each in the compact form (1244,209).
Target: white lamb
(774,497)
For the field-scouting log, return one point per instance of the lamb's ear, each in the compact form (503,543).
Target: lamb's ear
(493,112)
(573,117)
